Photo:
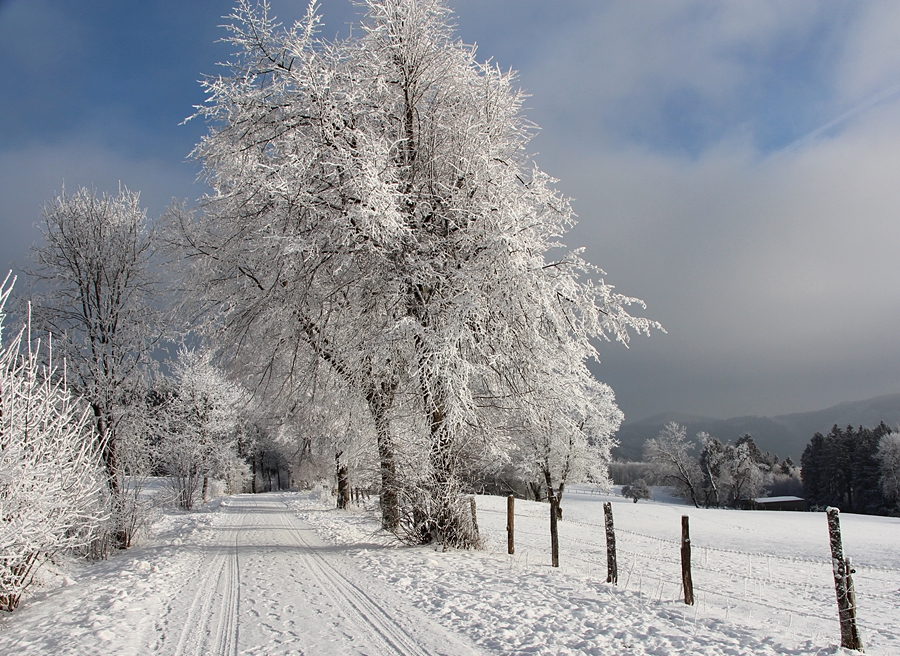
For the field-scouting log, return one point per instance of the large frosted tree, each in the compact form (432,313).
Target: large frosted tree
(374,208)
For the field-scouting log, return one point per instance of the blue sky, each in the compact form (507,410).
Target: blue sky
(734,164)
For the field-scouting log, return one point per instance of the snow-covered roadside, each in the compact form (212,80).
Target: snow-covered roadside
(519,604)
(110,606)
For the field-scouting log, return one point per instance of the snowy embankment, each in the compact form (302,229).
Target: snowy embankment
(762,580)
(286,574)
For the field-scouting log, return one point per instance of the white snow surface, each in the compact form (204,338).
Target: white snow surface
(285,573)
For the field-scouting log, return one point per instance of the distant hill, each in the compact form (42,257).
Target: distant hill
(784,435)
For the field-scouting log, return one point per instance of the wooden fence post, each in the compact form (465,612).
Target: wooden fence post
(554,530)
(510,524)
(474,517)
(612,567)
(686,580)
(843,584)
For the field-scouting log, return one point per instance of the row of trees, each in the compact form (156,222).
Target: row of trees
(722,474)
(83,422)
(376,284)
(854,469)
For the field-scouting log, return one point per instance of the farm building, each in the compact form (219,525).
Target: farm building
(771,503)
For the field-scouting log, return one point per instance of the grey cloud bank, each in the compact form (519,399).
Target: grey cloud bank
(688,134)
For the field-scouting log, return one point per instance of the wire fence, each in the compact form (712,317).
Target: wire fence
(790,593)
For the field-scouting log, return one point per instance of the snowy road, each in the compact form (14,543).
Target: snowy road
(251,578)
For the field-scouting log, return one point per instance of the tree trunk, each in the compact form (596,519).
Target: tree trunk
(446,515)
(712,484)
(474,519)
(111,464)
(110,459)
(554,530)
(559,501)
(205,494)
(390,502)
(343,482)
(554,518)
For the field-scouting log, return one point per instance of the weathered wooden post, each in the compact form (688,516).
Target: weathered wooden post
(554,530)
(686,580)
(843,584)
(510,524)
(612,567)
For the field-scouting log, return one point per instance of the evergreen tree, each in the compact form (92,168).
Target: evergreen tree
(844,469)
(811,470)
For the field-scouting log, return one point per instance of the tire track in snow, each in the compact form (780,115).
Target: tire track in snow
(221,580)
(389,637)
(227,634)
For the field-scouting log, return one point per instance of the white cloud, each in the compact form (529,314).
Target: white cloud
(773,272)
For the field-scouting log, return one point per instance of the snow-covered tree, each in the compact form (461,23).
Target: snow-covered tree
(52,488)
(567,437)
(330,434)
(733,472)
(200,421)
(373,206)
(637,490)
(785,480)
(747,474)
(98,295)
(713,470)
(672,463)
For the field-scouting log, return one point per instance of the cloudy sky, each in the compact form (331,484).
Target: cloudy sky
(734,164)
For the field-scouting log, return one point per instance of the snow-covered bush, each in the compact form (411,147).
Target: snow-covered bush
(52,488)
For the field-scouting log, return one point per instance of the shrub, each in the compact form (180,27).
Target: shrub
(52,489)
(637,490)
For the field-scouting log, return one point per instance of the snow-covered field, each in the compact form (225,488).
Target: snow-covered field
(287,574)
